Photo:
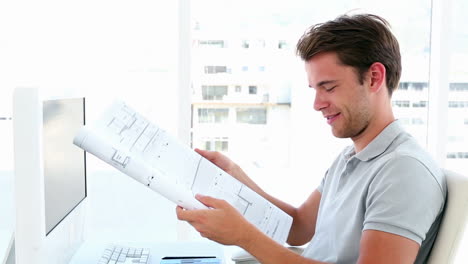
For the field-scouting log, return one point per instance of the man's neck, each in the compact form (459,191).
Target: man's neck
(374,128)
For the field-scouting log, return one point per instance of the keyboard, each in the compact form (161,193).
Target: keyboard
(124,255)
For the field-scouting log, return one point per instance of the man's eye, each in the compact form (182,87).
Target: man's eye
(330,89)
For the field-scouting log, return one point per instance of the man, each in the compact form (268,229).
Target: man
(382,199)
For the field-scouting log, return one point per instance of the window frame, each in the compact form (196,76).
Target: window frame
(439,68)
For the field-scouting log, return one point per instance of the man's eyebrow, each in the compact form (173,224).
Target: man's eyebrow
(322,83)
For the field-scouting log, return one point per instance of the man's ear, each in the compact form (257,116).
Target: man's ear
(377,74)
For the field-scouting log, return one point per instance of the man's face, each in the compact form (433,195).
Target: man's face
(343,101)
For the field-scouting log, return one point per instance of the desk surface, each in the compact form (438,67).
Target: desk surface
(90,252)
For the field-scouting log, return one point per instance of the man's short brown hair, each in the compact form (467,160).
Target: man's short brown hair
(359,41)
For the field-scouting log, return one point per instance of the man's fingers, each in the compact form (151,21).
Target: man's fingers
(179,212)
(184,215)
(199,151)
(209,155)
(205,153)
(210,201)
(217,158)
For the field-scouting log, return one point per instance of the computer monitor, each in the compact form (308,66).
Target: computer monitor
(50,177)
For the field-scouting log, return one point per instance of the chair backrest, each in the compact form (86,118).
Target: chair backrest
(448,245)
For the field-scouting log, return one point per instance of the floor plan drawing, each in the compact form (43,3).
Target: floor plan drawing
(129,142)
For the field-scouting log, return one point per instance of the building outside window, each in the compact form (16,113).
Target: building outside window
(420,104)
(215,69)
(251,115)
(282,44)
(252,89)
(460,87)
(214,92)
(457,116)
(217,144)
(213,115)
(289,133)
(212,43)
(398,103)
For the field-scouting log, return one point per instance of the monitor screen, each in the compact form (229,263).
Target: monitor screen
(64,163)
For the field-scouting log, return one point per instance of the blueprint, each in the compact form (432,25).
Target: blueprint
(126,140)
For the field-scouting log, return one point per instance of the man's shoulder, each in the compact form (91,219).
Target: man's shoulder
(411,157)
(408,148)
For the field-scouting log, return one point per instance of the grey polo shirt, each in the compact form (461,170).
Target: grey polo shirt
(392,185)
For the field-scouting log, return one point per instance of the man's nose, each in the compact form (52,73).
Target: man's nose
(319,102)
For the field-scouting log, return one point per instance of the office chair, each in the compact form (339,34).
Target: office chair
(451,241)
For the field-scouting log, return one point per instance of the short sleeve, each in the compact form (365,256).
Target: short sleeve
(322,183)
(404,198)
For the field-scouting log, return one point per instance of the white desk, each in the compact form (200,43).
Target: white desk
(147,217)
(91,252)
(120,210)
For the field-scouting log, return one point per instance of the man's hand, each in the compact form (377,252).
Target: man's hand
(230,167)
(223,223)
(219,160)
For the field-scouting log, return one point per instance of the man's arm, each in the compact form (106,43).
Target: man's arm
(304,220)
(225,225)
(382,247)
(376,247)
(304,217)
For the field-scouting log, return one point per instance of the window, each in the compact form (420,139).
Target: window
(279,140)
(129,53)
(455,138)
(457,155)
(417,86)
(214,92)
(211,43)
(251,115)
(282,44)
(417,121)
(215,69)
(401,103)
(208,115)
(217,145)
(260,43)
(403,86)
(405,121)
(459,87)
(125,63)
(420,104)
(238,88)
(252,89)
(458,104)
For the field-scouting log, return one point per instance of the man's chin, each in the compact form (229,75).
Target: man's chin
(340,134)
(337,134)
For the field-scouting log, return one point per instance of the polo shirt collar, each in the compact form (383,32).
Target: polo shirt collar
(380,143)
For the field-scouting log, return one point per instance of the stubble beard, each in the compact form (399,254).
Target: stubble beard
(355,125)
